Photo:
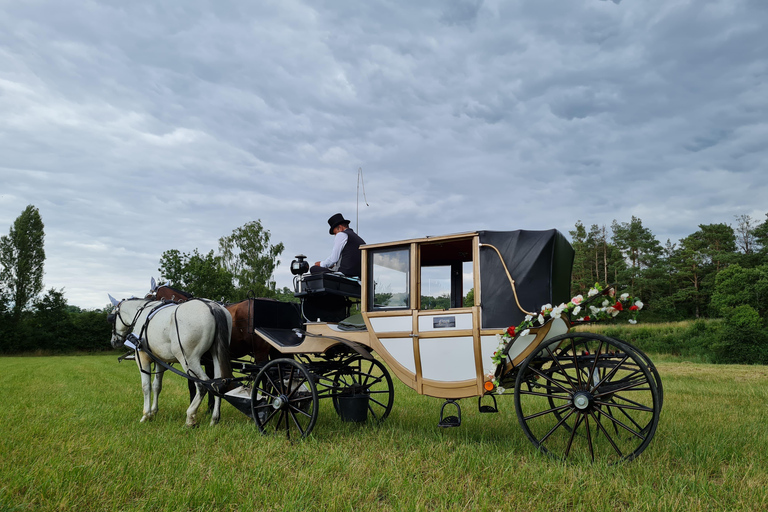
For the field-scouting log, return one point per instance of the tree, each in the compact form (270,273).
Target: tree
(201,275)
(251,260)
(595,260)
(22,257)
(736,286)
(744,235)
(760,233)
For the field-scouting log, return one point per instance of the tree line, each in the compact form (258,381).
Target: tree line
(703,275)
(719,271)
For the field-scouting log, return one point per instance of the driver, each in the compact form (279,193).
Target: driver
(345,256)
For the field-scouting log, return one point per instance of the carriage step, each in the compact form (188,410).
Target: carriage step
(450,421)
(487,408)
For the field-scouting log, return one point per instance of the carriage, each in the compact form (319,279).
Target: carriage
(576,394)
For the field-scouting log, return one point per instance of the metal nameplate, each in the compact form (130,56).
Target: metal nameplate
(443,322)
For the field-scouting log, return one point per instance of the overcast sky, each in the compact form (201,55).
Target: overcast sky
(141,126)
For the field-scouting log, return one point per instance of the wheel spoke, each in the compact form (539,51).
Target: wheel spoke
(559,423)
(296,421)
(562,371)
(548,411)
(622,425)
(607,435)
(641,408)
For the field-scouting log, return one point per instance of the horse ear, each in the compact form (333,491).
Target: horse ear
(113,300)
(153,285)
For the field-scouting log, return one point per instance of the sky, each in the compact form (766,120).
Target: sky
(143,126)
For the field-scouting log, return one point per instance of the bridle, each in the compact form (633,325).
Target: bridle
(117,315)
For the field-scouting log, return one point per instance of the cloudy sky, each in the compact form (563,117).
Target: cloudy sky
(141,126)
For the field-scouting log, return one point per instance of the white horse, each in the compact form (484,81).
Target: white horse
(175,333)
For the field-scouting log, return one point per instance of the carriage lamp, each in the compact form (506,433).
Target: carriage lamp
(299,265)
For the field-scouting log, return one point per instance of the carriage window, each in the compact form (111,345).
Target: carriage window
(390,277)
(446,275)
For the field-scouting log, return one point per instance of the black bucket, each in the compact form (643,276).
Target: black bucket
(353,408)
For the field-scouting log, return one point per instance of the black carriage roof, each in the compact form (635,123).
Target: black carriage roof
(539,262)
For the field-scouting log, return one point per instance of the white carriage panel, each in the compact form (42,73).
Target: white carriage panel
(559,326)
(429,323)
(520,344)
(383,324)
(401,350)
(448,359)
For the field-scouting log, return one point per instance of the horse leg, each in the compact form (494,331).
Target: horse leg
(216,412)
(145,367)
(196,370)
(157,386)
(208,365)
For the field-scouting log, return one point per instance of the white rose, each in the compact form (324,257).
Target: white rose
(528,318)
(605,303)
(632,321)
(576,310)
(639,305)
(624,296)
(525,332)
(592,292)
(541,319)
(500,390)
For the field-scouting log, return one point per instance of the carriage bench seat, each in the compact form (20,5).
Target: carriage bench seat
(332,283)
(280,337)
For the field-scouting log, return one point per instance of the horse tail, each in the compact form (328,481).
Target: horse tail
(220,346)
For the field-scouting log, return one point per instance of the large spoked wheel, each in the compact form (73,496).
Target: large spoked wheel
(284,399)
(586,396)
(365,377)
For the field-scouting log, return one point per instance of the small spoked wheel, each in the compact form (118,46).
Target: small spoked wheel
(284,399)
(585,396)
(368,378)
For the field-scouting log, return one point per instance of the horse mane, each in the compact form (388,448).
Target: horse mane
(186,295)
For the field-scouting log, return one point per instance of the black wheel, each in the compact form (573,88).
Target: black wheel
(368,377)
(586,396)
(284,399)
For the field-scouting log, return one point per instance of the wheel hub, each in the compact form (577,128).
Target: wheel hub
(582,400)
(279,402)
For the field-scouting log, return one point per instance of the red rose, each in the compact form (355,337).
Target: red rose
(511,331)
(586,319)
(633,308)
(618,306)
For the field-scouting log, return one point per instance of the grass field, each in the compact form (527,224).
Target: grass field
(70,439)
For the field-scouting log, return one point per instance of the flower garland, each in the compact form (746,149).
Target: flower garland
(578,310)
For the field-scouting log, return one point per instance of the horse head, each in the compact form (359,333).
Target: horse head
(123,318)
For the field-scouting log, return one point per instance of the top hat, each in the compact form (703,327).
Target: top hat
(335,221)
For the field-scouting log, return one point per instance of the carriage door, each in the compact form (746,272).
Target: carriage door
(447,326)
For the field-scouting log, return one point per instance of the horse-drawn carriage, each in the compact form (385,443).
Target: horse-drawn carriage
(576,394)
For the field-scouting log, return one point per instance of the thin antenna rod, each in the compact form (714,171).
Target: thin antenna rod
(357,211)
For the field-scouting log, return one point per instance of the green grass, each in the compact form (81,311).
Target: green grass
(70,439)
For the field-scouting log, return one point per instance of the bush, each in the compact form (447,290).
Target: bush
(742,340)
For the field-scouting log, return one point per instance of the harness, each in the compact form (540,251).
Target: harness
(141,342)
